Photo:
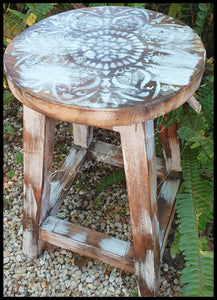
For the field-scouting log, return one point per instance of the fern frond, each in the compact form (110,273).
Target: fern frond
(207,273)
(194,213)
(40,9)
(117,176)
(175,248)
(206,98)
(199,189)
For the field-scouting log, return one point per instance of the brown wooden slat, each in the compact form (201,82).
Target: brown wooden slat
(87,242)
(112,154)
(169,188)
(105,152)
(82,135)
(38,137)
(171,149)
(141,178)
(65,176)
(166,206)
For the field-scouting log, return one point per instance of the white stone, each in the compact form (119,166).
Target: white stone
(6,260)
(89,279)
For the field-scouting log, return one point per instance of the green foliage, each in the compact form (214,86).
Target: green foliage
(6,200)
(195,203)
(135,294)
(19,158)
(15,21)
(10,174)
(8,128)
(7,97)
(97,4)
(39,9)
(194,210)
(98,202)
(137,5)
(79,184)
(180,10)
(201,17)
(116,177)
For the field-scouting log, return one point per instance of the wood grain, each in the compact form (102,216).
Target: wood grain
(140,170)
(64,177)
(87,242)
(128,85)
(169,188)
(38,137)
(82,135)
(112,154)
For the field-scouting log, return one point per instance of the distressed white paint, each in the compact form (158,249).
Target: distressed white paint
(50,224)
(30,214)
(80,237)
(65,175)
(106,56)
(169,190)
(61,227)
(29,244)
(114,245)
(150,143)
(157,226)
(145,269)
(144,224)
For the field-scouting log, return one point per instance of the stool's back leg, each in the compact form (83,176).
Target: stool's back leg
(140,168)
(38,139)
(169,188)
(82,135)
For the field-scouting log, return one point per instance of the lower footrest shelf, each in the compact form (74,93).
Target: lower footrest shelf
(105,248)
(87,242)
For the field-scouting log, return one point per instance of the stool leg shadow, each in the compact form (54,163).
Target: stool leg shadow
(138,149)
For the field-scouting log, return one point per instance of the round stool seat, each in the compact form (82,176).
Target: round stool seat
(105,66)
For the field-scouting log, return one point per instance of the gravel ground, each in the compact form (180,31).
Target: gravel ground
(59,272)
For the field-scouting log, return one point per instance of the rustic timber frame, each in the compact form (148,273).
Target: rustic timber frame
(116,68)
(151,216)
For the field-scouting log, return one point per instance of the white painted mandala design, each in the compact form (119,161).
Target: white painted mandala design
(106,57)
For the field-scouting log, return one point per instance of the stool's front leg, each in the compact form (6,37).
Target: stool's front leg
(140,169)
(38,139)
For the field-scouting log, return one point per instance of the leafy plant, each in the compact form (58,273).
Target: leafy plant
(194,210)
(117,176)
(79,184)
(15,21)
(137,5)
(179,11)
(8,128)
(195,202)
(10,174)
(19,158)
(6,200)
(201,17)
(7,97)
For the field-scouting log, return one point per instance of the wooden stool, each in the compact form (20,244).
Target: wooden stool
(116,68)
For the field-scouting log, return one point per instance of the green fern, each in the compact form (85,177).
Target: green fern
(15,21)
(39,9)
(194,211)
(117,176)
(201,17)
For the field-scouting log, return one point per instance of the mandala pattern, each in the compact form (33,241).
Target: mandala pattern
(106,57)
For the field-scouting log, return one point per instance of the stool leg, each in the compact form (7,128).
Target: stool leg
(83,135)
(138,149)
(38,139)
